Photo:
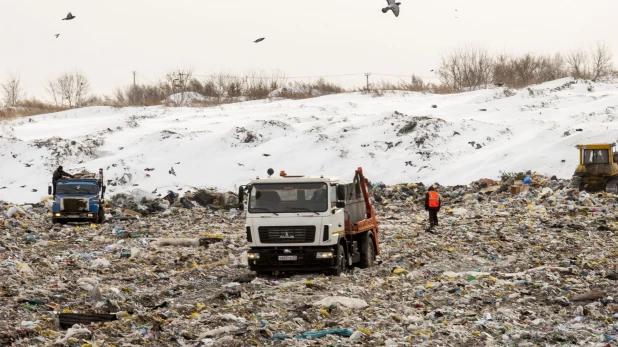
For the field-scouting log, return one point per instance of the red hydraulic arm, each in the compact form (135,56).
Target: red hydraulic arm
(371,222)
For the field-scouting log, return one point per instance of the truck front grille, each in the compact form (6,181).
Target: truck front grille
(75,205)
(297,234)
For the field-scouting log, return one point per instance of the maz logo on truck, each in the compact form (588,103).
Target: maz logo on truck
(287,236)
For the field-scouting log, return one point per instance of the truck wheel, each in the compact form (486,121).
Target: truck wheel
(368,256)
(55,221)
(341,263)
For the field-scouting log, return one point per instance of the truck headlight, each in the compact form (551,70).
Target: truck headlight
(324,255)
(90,215)
(253,255)
(57,214)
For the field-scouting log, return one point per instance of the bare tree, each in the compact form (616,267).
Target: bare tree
(66,85)
(53,90)
(450,72)
(259,84)
(467,68)
(601,64)
(82,89)
(12,90)
(526,68)
(177,84)
(230,86)
(502,70)
(70,87)
(577,62)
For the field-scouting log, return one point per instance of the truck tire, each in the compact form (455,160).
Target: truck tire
(368,254)
(55,221)
(341,262)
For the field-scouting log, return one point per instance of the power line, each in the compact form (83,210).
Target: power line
(282,76)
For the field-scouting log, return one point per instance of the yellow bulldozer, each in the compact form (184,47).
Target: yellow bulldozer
(598,168)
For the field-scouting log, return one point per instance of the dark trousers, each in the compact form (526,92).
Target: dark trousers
(433,217)
(54,183)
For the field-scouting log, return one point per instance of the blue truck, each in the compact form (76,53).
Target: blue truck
(79,199)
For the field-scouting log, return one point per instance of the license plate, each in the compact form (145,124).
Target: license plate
(287,258)
(73,216)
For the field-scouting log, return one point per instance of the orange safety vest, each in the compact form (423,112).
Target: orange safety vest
(434,199)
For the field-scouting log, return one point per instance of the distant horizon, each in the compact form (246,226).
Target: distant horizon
(306,38)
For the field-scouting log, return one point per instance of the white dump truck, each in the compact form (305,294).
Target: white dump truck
(304,223)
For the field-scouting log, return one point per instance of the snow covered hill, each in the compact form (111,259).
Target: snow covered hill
(466,137)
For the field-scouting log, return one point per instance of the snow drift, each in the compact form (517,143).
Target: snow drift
(399,137)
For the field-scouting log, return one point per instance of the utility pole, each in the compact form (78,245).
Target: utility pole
(367,75)
(134,79)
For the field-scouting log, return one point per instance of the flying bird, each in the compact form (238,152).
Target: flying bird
(154,191)
(239,164)
(393,6)
(57,35)
(172,172)
(69,16)
(259,40)
(266,155)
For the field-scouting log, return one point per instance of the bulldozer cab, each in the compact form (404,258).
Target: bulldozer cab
(598,154)
(598,168)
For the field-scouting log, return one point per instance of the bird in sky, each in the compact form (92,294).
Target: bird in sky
(69,16)
(259,40)
(393,6)
(57,35)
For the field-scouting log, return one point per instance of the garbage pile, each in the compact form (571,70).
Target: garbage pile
(511,263)
(140,202)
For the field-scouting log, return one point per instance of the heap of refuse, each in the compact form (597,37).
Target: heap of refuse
(528,261)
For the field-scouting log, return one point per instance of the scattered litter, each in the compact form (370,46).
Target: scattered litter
(524,267)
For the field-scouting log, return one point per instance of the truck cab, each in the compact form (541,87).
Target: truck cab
(307,223)
(78,199)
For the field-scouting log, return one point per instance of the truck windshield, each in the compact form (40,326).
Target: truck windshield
(77,189)
(288,198)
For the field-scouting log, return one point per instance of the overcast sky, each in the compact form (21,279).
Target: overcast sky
(109,39)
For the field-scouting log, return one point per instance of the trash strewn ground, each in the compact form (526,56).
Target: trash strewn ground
(511,264)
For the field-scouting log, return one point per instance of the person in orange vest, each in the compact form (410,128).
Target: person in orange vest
(432,204)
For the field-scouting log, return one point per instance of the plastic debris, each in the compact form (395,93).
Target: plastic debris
(536,267)
(322,333)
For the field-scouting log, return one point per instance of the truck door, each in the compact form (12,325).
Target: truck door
(334,222)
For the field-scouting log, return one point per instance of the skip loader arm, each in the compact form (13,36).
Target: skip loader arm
(371,223)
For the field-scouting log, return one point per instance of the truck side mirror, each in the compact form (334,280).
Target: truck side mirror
(49,190)
(340,192)
(340,204)
(241,198)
